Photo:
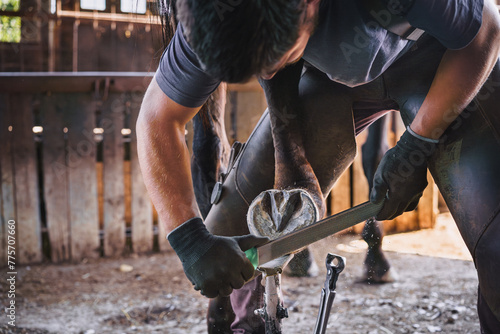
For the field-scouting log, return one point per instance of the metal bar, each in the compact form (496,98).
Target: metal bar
(93,74)
(113,17)
(74,82)
(296,240)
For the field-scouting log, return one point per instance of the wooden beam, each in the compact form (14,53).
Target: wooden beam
(71,82)
(112,123)
(359,187)
(8,208)
(55,177)
(428,205)
(81,159)
(341,194)
(26,180)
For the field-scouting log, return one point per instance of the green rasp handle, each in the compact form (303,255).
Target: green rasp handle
(253,256)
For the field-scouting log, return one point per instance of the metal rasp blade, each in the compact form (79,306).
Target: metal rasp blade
(296,240)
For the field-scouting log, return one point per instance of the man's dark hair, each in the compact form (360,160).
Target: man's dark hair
(235,39)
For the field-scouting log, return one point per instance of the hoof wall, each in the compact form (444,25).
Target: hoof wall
(278,212)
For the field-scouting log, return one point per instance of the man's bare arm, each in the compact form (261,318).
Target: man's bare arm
(459,77)
(165,166)
(164,156)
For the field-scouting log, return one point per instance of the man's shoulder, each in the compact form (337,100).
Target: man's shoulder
(180,75)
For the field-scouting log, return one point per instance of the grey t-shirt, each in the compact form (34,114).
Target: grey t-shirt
(349,45)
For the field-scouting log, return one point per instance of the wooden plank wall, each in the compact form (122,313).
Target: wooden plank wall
(55,180)
(20,200)
(7,174)
(27,208)
(82,178)
(79,225)
(142,209)
(112,123)
(69,185)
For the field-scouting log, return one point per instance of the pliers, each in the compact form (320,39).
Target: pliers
(328,291)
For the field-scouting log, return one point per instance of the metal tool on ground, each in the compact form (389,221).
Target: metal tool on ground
(273,311)
(328,292)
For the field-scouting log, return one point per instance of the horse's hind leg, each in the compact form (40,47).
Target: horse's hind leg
(220,315)
(210,148)
(376,267)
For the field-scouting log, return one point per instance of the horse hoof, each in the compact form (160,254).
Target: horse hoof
(278,212)
(389,276)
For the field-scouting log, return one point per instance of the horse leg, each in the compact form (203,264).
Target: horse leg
(210,148)
(286,113)
(292,168)
(376,267)
(302,265)
(220,315)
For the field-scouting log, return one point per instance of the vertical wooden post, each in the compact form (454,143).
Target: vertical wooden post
(359,187)
(55,178)
(26,180)
(82,178)
(76,24)
(142,208)
(8,208)
(427,207)
(3,228)
(113,175)
(341,193)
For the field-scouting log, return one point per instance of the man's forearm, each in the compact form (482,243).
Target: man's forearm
(165,168)
(164,161)
(459,77)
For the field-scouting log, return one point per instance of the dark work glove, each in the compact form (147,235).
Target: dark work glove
(215,265)
(401,176)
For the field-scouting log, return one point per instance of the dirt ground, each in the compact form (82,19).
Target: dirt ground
(433,294)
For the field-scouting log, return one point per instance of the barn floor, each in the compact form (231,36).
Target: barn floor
(433,294)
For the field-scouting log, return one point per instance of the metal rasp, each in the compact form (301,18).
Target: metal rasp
(294,241)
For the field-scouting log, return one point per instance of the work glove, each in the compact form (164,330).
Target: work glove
(215,265)
(401,176)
